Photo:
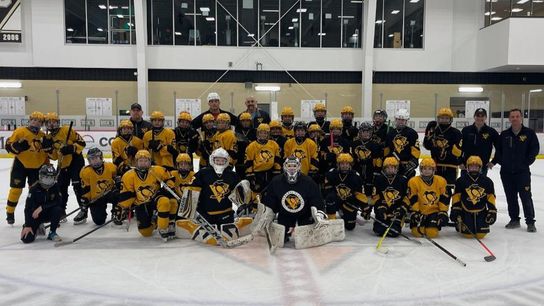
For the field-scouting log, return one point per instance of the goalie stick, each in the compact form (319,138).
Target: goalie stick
(210,229)
(491,256)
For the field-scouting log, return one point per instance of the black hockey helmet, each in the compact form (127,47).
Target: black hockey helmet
(380,112)
(300,125)
(47,176)
(94,153)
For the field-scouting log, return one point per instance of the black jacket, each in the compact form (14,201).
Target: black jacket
(515,153)
(38,196)
(261,116)
(140,127)
(479,143)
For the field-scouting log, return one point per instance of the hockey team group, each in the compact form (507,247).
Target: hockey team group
(305,182)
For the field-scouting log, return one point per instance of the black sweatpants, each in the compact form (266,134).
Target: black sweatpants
(514,184)
(51,214)
(71,173)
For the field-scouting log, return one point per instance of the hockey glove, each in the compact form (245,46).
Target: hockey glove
(47,144)
(417,219)
(442,219)
(455,213)
(365,212)
(381,213)
(155,145)
(20,146)
(172,150)
(67,149)
(117,181)
(399,213)
(491,217)
(131,151)
(119,214)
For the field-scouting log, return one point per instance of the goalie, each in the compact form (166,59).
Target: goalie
(297,200)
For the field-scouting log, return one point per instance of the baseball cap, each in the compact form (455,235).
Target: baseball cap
(480,112)
(136,105)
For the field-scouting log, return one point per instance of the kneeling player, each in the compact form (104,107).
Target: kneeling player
(43,204)
(97,184)
(473,208)
(390,198)
(343,189)
(429,200)
(296,199)
(141,187)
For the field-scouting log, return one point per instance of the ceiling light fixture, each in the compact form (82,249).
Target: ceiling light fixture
(472,89)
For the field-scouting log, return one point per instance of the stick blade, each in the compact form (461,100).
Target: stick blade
(490,258)
(64,242)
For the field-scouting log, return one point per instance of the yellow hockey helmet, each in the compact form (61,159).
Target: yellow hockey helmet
(344,158)
(245,116)
(52,117)
(287,111)
(427,163)
(207,118)
(336,124)
(183,157)
(263,127)
(390,161)
(320,107)
(314,128)
(445,111)
(275,124)
(474,160)
(142,154)
(185,116)
(347,109)
(37,116)
(223,117)
(126,124)
(156,115)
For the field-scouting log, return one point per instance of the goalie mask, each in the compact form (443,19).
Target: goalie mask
(47,176)
(95,158)
(219,160)
(291,169)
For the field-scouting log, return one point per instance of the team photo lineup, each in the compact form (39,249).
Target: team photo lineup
(301,182)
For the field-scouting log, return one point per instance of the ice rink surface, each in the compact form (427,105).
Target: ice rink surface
(113,267)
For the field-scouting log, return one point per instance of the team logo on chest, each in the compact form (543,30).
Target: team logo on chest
(300,154)
(485,135)
(266,155)
(400,142)
(103,185)
(390,195)
(522,138)
(362,153)
(430,197)
(475,193)
(343,192)
(220,190)
(146,191)
(442,144)
(292,201)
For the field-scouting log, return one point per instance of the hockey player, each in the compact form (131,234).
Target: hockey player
(124,147)
(43,204)
(98,188)
(287,120)
(473,203)
(343,185)
(380,129)
(390,198)
(315,133)
(205,142)
(276,134)
(184,177)
(67,153)
(226,138)
(262,159)
(479,139)
(141,187)
(186,136)
(443,141)
(304,149)
(160,142)
(25,144)
(245,134)
(320,113)
(297,201)
(402,143)
(368,156)
(330,147)
(429,201)
(349,130)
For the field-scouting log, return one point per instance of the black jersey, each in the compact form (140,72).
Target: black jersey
(444,144)
(479,142)
(38,196)
(367,156)
(390,194)
(474,194)
(402,144)
(329,148)
(186,140)
(379,135)
(323,124)
(345,187)
(214,190)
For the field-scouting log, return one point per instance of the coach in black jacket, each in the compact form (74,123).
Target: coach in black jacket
(479,140)
(516,150)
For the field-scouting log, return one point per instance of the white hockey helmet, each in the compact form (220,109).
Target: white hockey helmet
(402,114)
(213,96)
(291,169)
(219,160)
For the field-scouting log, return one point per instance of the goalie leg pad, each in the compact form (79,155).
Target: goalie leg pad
(188,211)
(277,234)
(244,225)
(320,233)
(263,218)
(188,229)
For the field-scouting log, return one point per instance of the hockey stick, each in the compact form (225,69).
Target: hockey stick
(378,246)
(79,208)
(59,163)
(491,256)
(210,229)
(65,216)
(61,243)
(440,247)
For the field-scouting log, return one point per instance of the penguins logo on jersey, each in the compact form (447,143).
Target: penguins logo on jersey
(292,201)
(343,192)
(37,144)
(442,144)
(300,154)
(400,142)
(336,149)
(475,193)
(362,153)
(220,190)
(103,185)
(485,135)
(146,191)
(390,195)
(430,197)
(522,138)
(266,155)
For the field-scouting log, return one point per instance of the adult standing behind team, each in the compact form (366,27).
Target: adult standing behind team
(140,125)
(479,140)
(257,115)
(214,102)
(516,150)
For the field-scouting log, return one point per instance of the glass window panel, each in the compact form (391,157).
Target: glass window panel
(352,23)
(378,36)
(205,23)
(500,9)
(487,12)
(184,26)
(97,21)
(226,24)
(149,22)
(310,13)
(248,19)
(289,23)
(413,24)
(332,11)
(120,21)
(392,31)
(162,22)
(521,8)
(268,23)
(132,23)
(538,7)
(76,31)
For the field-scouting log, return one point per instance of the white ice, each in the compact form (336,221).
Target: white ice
(113,267)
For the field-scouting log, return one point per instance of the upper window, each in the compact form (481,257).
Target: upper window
(270,23)
(497,10)
(99,21)
(399,24)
